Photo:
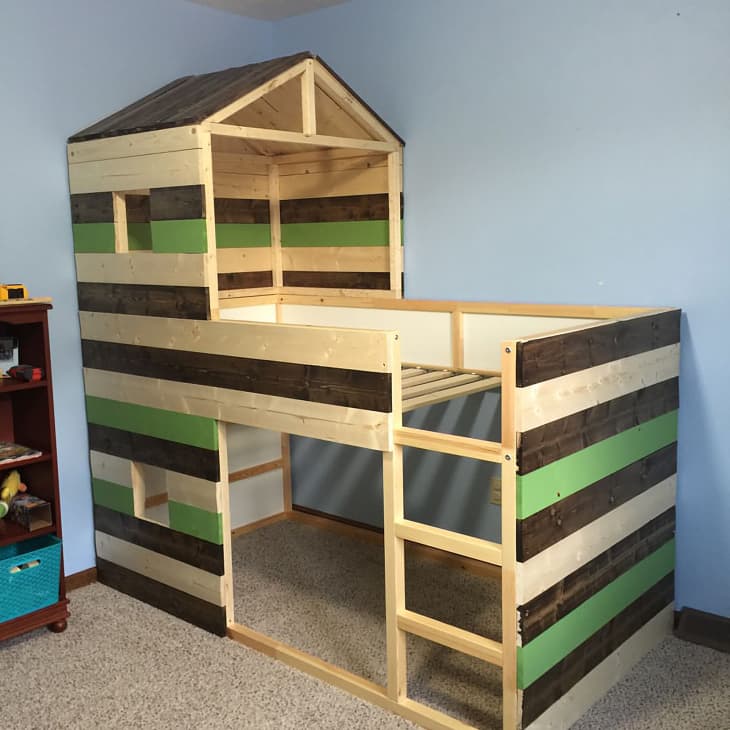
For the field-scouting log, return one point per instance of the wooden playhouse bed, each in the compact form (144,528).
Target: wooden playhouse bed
(238,241)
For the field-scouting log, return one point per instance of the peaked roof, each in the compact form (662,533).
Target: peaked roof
(192,99)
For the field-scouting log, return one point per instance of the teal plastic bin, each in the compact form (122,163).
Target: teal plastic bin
(29,576)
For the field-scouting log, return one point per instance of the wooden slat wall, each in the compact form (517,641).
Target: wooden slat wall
(595,498)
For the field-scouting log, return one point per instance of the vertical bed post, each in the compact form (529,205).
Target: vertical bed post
(395,187)
(395,585)
(210,262)
(275,223)
(510,709)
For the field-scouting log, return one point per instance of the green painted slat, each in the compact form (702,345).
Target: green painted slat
(181,428)
(552,645)
(196,522)
(183,236)
(340,233)
(139,236)
(113,496)
(242,235)
(93,237)
(551,483)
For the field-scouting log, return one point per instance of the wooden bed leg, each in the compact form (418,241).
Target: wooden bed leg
(510,710)
(286,471)
(395,588)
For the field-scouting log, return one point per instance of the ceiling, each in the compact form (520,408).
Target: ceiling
(269,9)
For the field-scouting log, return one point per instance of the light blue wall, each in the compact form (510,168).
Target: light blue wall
(574,150)
(63,65)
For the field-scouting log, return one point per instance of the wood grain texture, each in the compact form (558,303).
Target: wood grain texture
(192,460)
(553,604)
(551,357)
(181,202)
(177,302)
(160,539)
(241,210)
(319,384)
(92,208)
(138,208)
(142,267)
(552,524)
(560,678)
(338,279)
(336,208)
(245,280)
(557,439)
(196,611)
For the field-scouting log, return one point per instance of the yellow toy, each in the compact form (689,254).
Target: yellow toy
(10,487)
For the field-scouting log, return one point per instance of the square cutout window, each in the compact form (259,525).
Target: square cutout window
(149,484)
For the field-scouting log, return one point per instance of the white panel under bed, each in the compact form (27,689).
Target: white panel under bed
(425,337)
(259,496)
(484,333)
(253,313)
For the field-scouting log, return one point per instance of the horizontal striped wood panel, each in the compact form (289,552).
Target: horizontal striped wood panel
(242,235)
(113,496)
(337,208)
(552,645)
(181,302)
(552,524)
(555,440)
(342,233)
(179,236)
(319,384)
(338,279)
(178,545)
(92,208)
(192,460)
(93,237)
(550,357)
(143,268)
(335,258)
(189,608)
(245,280)
(184,202)
(554,683)
(241,210)
(198,523)
(567,594)
(138,208)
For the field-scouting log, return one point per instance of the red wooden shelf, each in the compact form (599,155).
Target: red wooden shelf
(13,532)
(10,385)
(20,463)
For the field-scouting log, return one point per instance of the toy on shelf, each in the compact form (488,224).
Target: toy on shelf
(9,489)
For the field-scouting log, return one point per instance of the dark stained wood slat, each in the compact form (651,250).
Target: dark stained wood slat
(192,460)
(177,302)
(92,208)
(189,608)
(552,685)
(567,594)
(184,202)
(160,539)
(336,209)
(552,524)
(245,280)
(338,279)
(553,441)
(138,208)
(562,354)
(240,210)
(319,384)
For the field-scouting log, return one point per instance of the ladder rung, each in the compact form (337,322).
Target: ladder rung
(464,641)
(446,443)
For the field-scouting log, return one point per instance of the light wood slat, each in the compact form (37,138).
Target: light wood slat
(426,378)
(161,568)
(446,443)
(143,267)
(452,542)
(421,714)
(335,258)
(233,260)
(451,369)
(252,471)
(278,135)
(441,633)
(436,385)
(275,225)
(408,373)
(111,468)
(324,161)
(395,188)
(327,346)
(457,392)
(309,114)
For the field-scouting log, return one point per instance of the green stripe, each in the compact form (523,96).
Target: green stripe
(113,496)
(341,233)
(555,643)
(196,522)
(93,237)
(181,428)
(551,483)
(139,236)
(242,235)
(184,236)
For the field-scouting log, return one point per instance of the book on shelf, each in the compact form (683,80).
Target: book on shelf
(10,452)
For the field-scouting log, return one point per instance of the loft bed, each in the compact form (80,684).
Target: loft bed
(239,264)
